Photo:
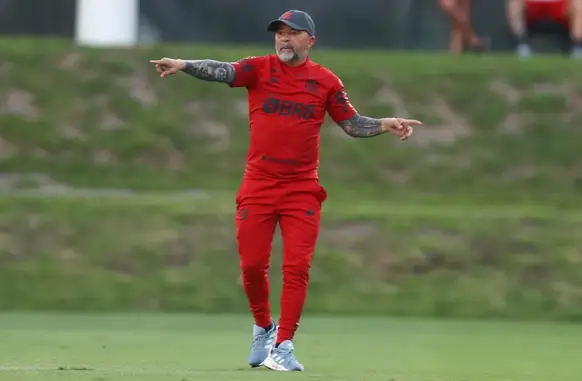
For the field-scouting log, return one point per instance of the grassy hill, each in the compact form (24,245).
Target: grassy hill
(496,127)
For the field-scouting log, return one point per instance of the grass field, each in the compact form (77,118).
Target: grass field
(192,347)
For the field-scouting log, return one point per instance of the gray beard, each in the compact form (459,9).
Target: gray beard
(287,57)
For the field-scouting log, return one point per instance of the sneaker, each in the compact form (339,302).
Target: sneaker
(523,50)
(576,52)
(282,358)
(263,341)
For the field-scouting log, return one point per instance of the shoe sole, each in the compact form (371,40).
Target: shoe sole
(270,364)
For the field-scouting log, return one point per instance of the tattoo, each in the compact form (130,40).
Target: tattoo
(342,100)
(361,126)
(210,70)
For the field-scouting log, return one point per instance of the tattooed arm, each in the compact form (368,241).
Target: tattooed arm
(358,126)
(347,117)
(210,70)
(242,73)
(362,126)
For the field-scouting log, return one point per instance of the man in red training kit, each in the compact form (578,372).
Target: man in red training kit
(288,96)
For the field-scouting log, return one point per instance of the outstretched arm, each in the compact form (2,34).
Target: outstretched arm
(361,126)
(242,73)
(211,70)
(358,126)
(365,127)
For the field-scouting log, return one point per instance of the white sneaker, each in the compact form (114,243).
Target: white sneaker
(282,359)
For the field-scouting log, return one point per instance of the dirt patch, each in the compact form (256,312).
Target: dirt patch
(168,160)
(72,131)
(396,177)
(7,150)
(386,95)
(241,106)
(111,121)
(103,157)
(519,173)
(559,89)
(70,61)
(200,108)
(139,88)
(19,102)
(453,126)
(505,91)
(514,123)
(349,234)
(6,67)
(564,90)
(516,120)
(217,132)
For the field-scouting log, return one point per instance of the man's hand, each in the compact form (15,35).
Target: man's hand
(399,126)
(168,66)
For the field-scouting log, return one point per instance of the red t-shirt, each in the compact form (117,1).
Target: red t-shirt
(287,107)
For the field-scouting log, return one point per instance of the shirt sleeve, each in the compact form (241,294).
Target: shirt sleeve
(339,107)
(247,71)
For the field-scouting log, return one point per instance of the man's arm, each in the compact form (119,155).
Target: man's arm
(242,73)
(362,126)
(358,126)
(211,70)
(348,118)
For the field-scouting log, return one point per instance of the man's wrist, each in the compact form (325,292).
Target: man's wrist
(385,125)
(182,64)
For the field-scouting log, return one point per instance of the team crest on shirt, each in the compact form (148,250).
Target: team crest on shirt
(311,85)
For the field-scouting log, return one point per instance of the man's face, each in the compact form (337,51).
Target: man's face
(292,44)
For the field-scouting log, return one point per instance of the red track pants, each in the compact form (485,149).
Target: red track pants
(296,206)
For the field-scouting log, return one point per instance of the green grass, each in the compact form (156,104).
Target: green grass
(193,347)
(179,254)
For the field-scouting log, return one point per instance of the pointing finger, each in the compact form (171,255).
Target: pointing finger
(413,122)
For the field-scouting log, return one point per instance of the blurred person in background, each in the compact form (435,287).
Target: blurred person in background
(462,33)
(553,16)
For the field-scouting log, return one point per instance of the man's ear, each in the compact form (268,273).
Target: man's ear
(311,41)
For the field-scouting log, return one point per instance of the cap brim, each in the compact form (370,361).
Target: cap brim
(275,24)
